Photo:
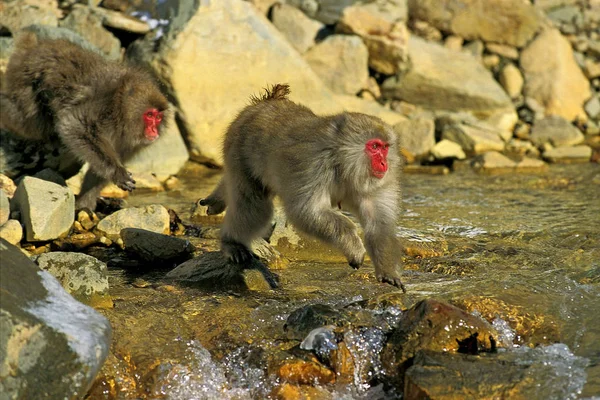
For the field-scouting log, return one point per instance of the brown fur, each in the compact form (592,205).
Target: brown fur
(54,88)
(314,164)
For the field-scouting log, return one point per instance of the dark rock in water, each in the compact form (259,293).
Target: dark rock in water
(51,345)
(155,247)
(213,270)
(438,326)
(550,372)
(303,320)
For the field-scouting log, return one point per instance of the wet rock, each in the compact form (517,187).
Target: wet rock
(568,155)
(270,255)
(76,241)
(511,22)
(447,149)
(298,29)
(11,231)
(156,247)
(255,280)
(47,209)
(4,207)
(511,80)
(8,186)
(154,218)
(552,76)
(416,135)
(442,79)
(557,131)
(303,320)
(83,277)
(213,270)
(305,373)
(474,137)
(503,50)
(437,326)
(49,342)
(492,161)
(386,38)
(89,25)
(541,373)
(341,61)
(163,158)
(17,15)
(203,40)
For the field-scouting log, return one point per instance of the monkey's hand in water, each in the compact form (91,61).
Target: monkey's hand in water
(391,277)
(124,180)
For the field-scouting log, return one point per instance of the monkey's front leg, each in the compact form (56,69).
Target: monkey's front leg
(85,139)
(330,226)
(379,223)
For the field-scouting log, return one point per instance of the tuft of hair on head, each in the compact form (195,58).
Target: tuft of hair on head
(279,91)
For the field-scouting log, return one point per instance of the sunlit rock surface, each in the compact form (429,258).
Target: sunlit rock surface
(49,342)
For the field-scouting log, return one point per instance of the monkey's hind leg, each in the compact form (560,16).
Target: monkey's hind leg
(250,212)
(90,190)
(216,200)
(10,116)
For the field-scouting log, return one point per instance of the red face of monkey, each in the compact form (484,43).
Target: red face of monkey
(152,120)
(377,150)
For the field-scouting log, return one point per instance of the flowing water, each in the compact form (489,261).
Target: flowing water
(525,242)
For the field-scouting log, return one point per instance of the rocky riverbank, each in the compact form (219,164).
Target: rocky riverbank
(496,86)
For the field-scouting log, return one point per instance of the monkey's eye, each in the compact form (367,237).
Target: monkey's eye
(375,146)
(149,114)
(387,146)
(159,117)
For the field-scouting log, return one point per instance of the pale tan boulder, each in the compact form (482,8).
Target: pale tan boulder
(552,76)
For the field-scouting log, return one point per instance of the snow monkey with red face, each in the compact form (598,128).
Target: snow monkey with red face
(316,165)
(101,111)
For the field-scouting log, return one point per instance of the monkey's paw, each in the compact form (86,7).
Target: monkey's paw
(215,206)
(125,181)
(237,252)
(391,278)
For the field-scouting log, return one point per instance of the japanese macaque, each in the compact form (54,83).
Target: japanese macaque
(101,111)
(317,166)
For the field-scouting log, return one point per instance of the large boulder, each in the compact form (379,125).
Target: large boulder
(441,78)
(384,33)
(232,52)
(299,30)
(47,209)
(512,22)
(51,346)
(341,61)
(552,76)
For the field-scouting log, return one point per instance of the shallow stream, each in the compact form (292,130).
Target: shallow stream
(528,246)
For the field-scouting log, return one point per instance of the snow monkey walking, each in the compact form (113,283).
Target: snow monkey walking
(315,165)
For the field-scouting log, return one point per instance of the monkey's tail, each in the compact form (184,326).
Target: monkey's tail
(279,91)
